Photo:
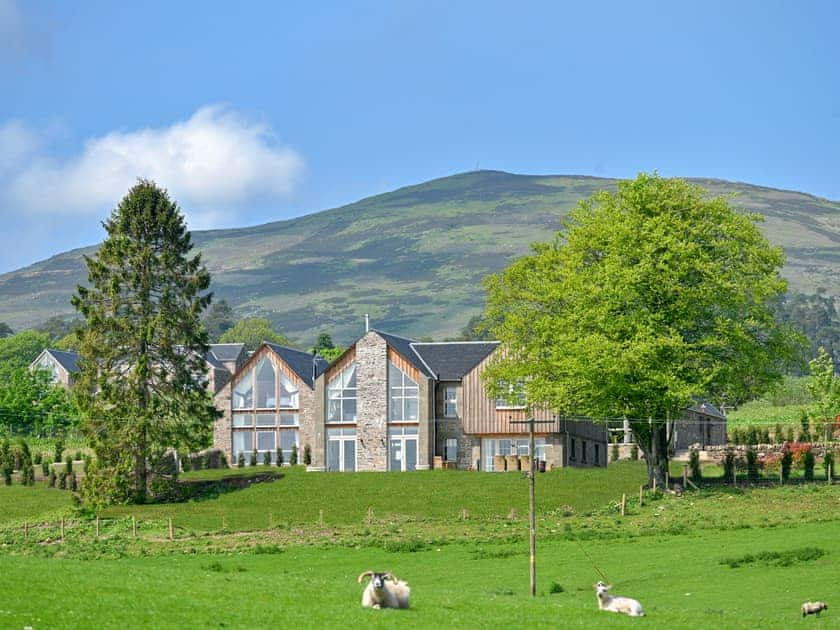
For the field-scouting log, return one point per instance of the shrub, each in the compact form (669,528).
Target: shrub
(279,456)
(805,432)
(828,463)
(51,478)
(207,460)
(634,452)
(555,588)
(307,455)
(778,434)
(267,458)
(73,482)
(765,436)
(186,463)
(253,458)
(59,449)
(240,461)
(694,465)
(223,463)
(37,458)
(195,462)
(45,467)
(752,464)
(68,463)
(808,464)
(614,451)
(78,456)
(728,464)
(787,462)
(87,459)
(752,436)
(789,433)
(293,458)
(62,480)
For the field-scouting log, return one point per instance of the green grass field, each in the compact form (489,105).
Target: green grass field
(669,553)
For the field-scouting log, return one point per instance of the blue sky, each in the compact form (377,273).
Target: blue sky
(251,112)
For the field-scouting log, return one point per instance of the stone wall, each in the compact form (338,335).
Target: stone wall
(308,423)
(222,438)
(372,403)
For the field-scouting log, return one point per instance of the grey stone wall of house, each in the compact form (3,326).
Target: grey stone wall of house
(425,442)
(451,428)
(372,403)
(555,450)
(316,436)
(696,428)
(222,436)
(307,419)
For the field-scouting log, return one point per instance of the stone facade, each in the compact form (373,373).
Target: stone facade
(371,403)
(222,428)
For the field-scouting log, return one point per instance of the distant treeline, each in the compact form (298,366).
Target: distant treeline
(814,315)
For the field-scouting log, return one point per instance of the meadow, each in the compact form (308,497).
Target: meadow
(719,557)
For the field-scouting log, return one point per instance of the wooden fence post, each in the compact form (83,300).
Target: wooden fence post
(654,484)
(320,518)
(735,476)
(62,529)
(97,527)
(685,475)
(623,503)
(641,496)
(171,532)
(26,531)
(134,527)
(781,478)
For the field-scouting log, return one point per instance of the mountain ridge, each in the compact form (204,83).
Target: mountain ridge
(414,257)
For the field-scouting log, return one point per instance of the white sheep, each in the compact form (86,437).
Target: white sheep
(385,590)
(623,605)
(813,608)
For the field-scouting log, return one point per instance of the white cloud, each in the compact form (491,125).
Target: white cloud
(213,164)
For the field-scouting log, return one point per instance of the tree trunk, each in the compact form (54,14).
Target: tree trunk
(654,447)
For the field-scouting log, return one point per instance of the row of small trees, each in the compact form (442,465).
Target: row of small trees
(805,432)
(801,455)
(278,459)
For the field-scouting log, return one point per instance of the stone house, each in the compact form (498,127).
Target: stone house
(387,403)
(60,364)
(702,424)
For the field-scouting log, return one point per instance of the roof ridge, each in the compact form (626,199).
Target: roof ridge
(442,343)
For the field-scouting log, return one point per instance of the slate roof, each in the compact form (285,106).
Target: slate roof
(405,347)
(707,409)
(67,360)
(226,351)
(451,360)
(210,357)
(301,362)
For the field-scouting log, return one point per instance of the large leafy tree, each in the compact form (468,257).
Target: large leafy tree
(143,379)
(647,298)
(31,404)
(18,351)
(824,387)
(218,319)
(252,332)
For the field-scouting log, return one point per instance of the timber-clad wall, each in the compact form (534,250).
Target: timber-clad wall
(480,416)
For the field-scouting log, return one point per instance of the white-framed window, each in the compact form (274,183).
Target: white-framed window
(243,392)
(289,393)
(266,420)
(511,395)
(450,401)
(290,438)
(341,396)
(289,419)
(341,449)
(243,443)
(403,396)
(450,453)
(48,365)
(490,447)
(402,448)
(266,386)
(243,420)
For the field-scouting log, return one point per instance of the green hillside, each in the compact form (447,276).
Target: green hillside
(414,258)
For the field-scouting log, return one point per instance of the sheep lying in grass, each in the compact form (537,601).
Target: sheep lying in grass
(385,590)
(623,605)
(813,608)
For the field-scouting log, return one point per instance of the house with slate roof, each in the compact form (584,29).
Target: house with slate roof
(60,364)
(388,403)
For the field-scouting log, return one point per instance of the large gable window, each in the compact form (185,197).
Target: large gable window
(288,393)
(403,396)
(266,394)
(243,392)
(511,395)
(341,396)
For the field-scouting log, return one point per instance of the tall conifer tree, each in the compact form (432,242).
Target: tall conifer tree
(143,376)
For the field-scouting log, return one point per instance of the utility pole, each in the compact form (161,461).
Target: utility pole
(532,517)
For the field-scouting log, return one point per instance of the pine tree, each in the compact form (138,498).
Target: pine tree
(142,384)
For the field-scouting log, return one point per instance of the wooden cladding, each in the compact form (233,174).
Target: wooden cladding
(345,360)
(402,363)
(479,414)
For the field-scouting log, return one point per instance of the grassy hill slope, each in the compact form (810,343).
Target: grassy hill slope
(414,258)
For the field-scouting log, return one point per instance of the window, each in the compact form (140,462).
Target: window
(243,392)
(402,448)
(341,396)
(341,450)
(289,419)
(511,395)
(583,451)
(288,393)
(265,441)
(266,395)
(597,455)
(451,451)
(572,454)
(490,447)
(243,420)
(266,420)
(243,442)
(403,396)
(450,401)
(288,439)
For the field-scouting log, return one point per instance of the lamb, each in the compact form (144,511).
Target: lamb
(623,605)
(385,590)
(813,608)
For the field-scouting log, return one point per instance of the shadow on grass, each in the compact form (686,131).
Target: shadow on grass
(203,489)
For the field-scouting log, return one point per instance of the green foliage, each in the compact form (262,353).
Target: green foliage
(68,464)
(58,450)
(824,388)
(240,460)
(694,466)
(31,404)
(267,458)
(218,319)
(253,458)
(51,478)
(293,458)
(828,463)
(307,455)
(142,309)
(18,351)
(816,316)
(279,458)
(752,464)
(787,462)
(729,463)
(614,451)
(631,335)
(45,467)
(808,461)
(5,330)
(776,558)
(252,332)
(186,462)
(634,453)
